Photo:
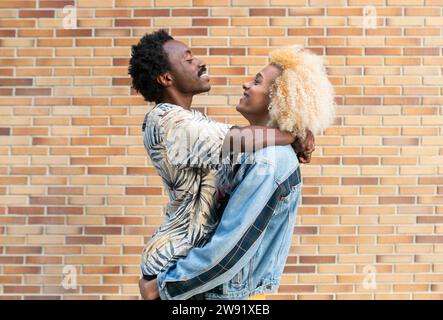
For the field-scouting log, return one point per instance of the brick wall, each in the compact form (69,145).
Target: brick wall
(79,192)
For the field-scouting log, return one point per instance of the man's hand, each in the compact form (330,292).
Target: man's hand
(304,147)
(148,289)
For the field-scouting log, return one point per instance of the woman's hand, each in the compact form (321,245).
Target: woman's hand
(304,147)
(148,289)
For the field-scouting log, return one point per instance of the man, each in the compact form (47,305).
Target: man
(165,71)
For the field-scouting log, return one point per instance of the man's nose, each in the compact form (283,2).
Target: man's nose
(246,86)
(201,63)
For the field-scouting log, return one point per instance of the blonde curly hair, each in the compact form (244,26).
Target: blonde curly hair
(302,96)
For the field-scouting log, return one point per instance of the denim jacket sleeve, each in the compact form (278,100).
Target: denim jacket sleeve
(234,242)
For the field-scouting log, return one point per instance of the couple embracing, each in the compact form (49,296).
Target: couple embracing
(233,191)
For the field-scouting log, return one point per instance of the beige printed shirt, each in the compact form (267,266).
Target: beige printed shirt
(185,147)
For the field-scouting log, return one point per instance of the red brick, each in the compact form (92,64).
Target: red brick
(305,31)
(49,141)
(430,180)
(296,288)
(112,13)
(133,22)
(430,219)
(24,250)
(143,191)
(321,181)
(189,32)
(21,270)
(190,12)
(74,33)
(151,12)
(227,51)
(5,131)
(47,200)
(65,190)
(361,161)
(362,101)
(21,289)
(101,270)
(266,12)
(10,279)
(105,170)
(83,240)
(422,51)
(140,171)
(397,200)
(56,3)
(11,260)
(319,200)
(429,239)
(209,22)
(87,160)
(359,181)
(66,210)
(16,82)
(46,220)
(13,180)
(383,51)
(43,260)
(400,141)
(317,259)
(124,220)
(103,230)
(28,210)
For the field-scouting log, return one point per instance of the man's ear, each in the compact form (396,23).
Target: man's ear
(165,79)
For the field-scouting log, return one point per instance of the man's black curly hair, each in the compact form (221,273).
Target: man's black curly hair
(148,61)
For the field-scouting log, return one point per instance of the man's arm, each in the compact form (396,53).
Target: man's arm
(234,242)
(304,147)
(199,142)
(252,138)
(148,289)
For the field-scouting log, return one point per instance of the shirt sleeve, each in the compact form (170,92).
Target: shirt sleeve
(193,140)
(234,242)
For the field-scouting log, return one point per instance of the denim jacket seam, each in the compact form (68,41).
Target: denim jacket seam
(271,283)
(287,174)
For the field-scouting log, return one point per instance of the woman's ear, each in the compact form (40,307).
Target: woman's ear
(165,79)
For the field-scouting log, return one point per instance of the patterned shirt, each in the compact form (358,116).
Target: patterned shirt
(185,147)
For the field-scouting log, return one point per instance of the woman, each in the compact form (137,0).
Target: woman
(291,93)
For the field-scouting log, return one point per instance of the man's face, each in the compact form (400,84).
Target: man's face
(188,72)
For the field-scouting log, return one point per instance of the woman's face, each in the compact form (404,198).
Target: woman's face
(255,101)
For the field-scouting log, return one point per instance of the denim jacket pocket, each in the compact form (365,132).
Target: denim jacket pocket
(238,281)
(282,203)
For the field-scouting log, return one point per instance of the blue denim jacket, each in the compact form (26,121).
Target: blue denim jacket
(247,253)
